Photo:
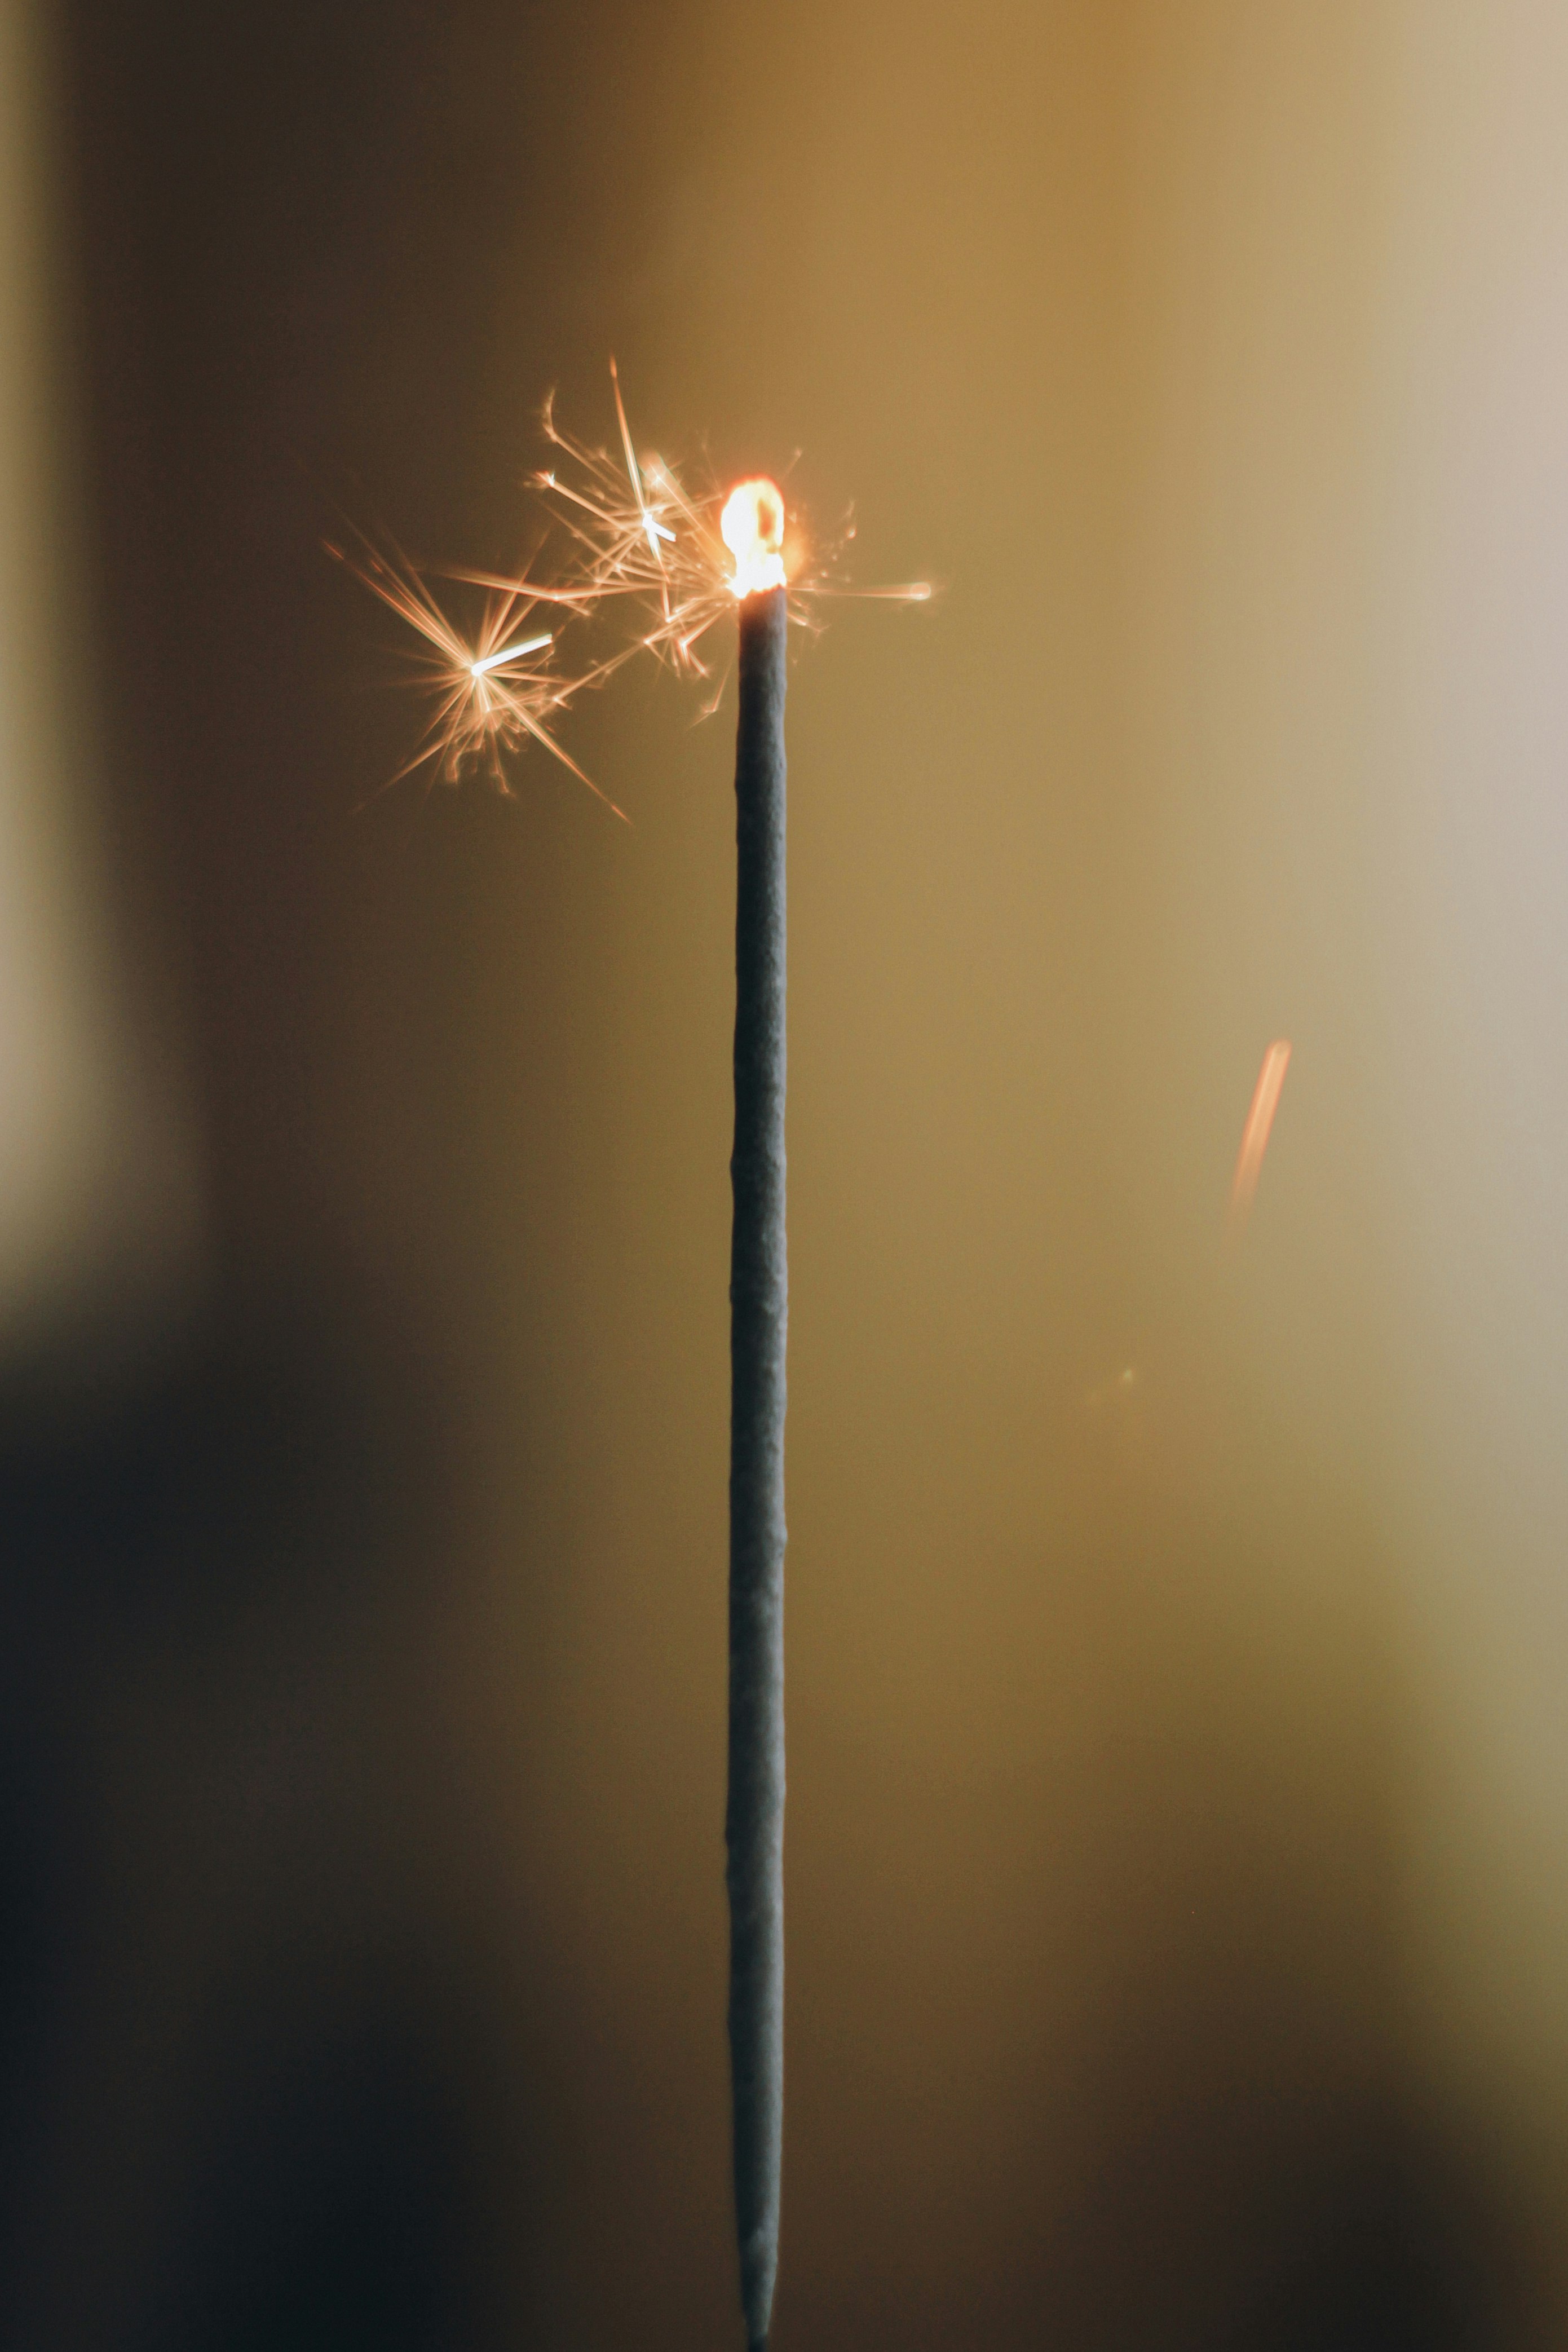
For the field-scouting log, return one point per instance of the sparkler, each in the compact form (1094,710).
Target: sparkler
(1255,1134)
(680,564)
(752,526)
(676,564)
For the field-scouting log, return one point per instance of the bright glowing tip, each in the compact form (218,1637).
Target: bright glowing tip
(752,528)
(510,654)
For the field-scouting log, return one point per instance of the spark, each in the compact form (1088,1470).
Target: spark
(1255,1134)
(654,531)
(637,533)
(512,653)
(486,698)
(636,542)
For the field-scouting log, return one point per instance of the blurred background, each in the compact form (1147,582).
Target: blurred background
(1178,1833)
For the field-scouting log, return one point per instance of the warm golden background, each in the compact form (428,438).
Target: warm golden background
(1178,1847)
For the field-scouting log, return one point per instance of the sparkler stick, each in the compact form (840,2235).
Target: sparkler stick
(758,1294)
(638,540)
(642,536)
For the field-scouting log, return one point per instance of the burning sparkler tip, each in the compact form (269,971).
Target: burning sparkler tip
(752,528)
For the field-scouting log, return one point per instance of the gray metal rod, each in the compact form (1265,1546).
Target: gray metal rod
(758,1294)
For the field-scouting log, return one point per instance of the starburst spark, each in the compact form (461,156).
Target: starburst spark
(635,530)
(487,696)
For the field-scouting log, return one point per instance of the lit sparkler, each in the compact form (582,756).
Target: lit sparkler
(678,564)
(752,528)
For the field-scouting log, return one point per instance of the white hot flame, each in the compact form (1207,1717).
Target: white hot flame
(752,528)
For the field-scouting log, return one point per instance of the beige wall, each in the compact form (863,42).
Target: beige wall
(1179,1816)
(97,1200)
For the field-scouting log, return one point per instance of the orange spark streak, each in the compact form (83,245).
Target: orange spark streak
(1255,1134)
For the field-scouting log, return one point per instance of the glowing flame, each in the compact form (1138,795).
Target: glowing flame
(752,528)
